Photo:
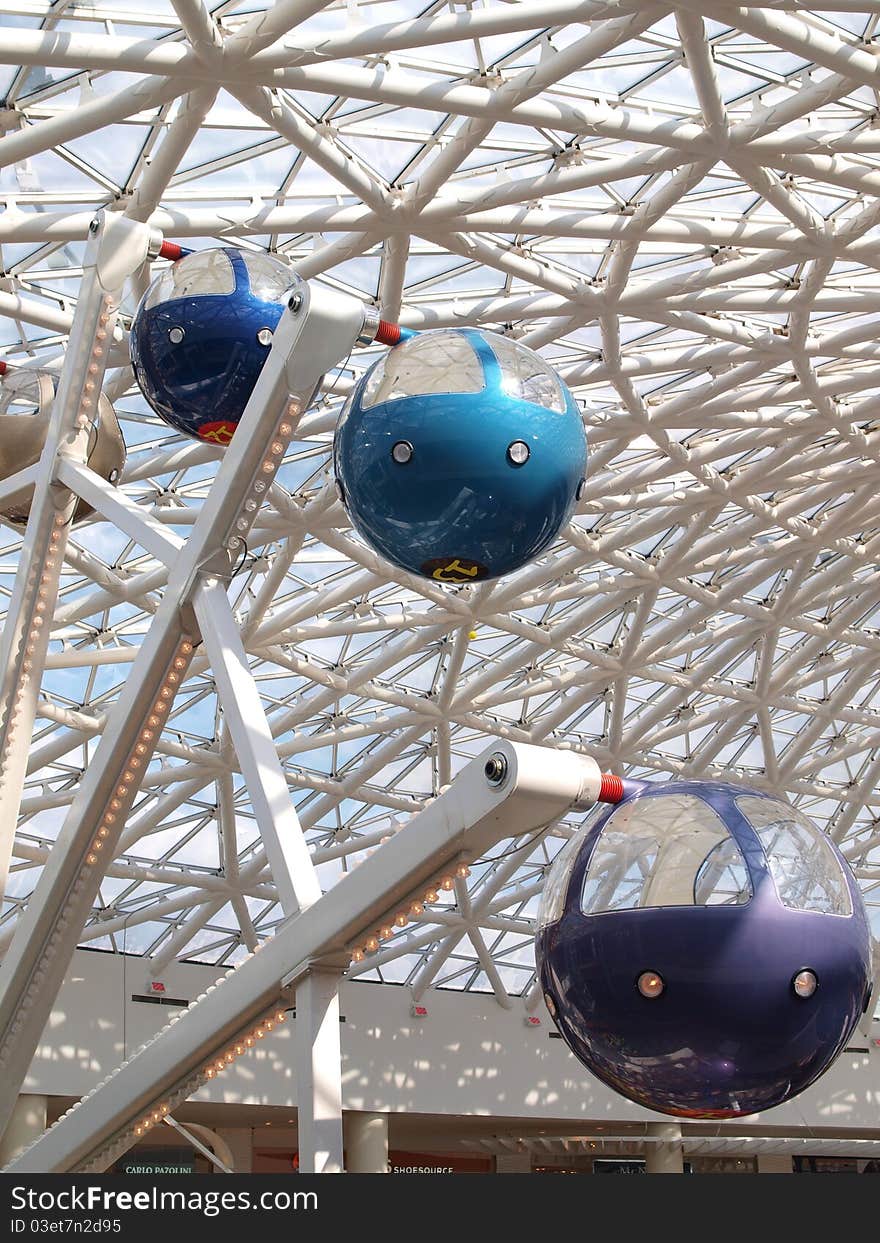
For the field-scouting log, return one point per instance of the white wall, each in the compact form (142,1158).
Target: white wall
(469,1056)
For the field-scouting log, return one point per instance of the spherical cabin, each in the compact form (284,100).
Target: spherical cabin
(460,455)
(704,949)
(202,333)
(26,398)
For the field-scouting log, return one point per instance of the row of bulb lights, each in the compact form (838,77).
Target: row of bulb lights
(48,573)
(241,1046)
(266,1025)
(268,468)
(140,754)
(413,912)
(142,750)
(45,588)
(95,368)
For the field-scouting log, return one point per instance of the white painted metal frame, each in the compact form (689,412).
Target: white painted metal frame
(251,737)
(318,1064)
(116,248)
(187,1133)
(315,333)
(678,207)
(459,827)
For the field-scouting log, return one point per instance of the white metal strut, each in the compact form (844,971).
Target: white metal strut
(315,332)
(537,786)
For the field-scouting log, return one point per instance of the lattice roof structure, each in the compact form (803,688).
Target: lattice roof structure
(678,208)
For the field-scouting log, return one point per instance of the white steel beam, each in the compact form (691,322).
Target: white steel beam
(318,1062)
(116,248)
(113,504)
(18,482)
(225,1167)
(289,860)
(312,335)
(118,53)
(163,162)
(539,785)
(39,312)
(243,220)
(74,122)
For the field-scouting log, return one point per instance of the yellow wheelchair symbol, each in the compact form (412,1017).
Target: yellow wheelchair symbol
(455,572)
(218,433)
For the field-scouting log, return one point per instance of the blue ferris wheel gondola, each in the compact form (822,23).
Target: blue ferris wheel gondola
(460,455)
(704,949)
(202,333)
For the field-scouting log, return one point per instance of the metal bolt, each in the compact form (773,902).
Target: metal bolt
(264,336)
(294,302)
(496,769)
(175,335)
(94,225)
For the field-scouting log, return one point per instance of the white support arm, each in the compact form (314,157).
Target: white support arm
(529,788)
(315,332)
(18,482)
(187,1133)
(116,248)
(112,503)
(318,1063)
(289,860)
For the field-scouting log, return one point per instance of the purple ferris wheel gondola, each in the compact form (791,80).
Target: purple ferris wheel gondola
(703,949)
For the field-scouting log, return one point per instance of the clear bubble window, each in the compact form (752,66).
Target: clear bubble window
(806,872)
(204,272)
(433,362)
(269,278)
(556,885)
(524,374)
(669,850)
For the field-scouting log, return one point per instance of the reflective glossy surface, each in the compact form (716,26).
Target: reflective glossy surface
(26,399)
(460,507)
(699,883)
(202,333)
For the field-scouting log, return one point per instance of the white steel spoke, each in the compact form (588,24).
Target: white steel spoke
(36,961)
(251,736)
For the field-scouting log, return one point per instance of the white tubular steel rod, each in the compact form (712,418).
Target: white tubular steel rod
(242,220)
(74,122)
(538,786)
(312,335)
(289,858)
(116,248)
(112,503)
(118,54)
(16,306)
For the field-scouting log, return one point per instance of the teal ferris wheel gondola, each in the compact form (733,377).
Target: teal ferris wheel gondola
(460,455)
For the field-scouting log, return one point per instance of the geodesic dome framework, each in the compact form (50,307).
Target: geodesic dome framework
(677,208)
